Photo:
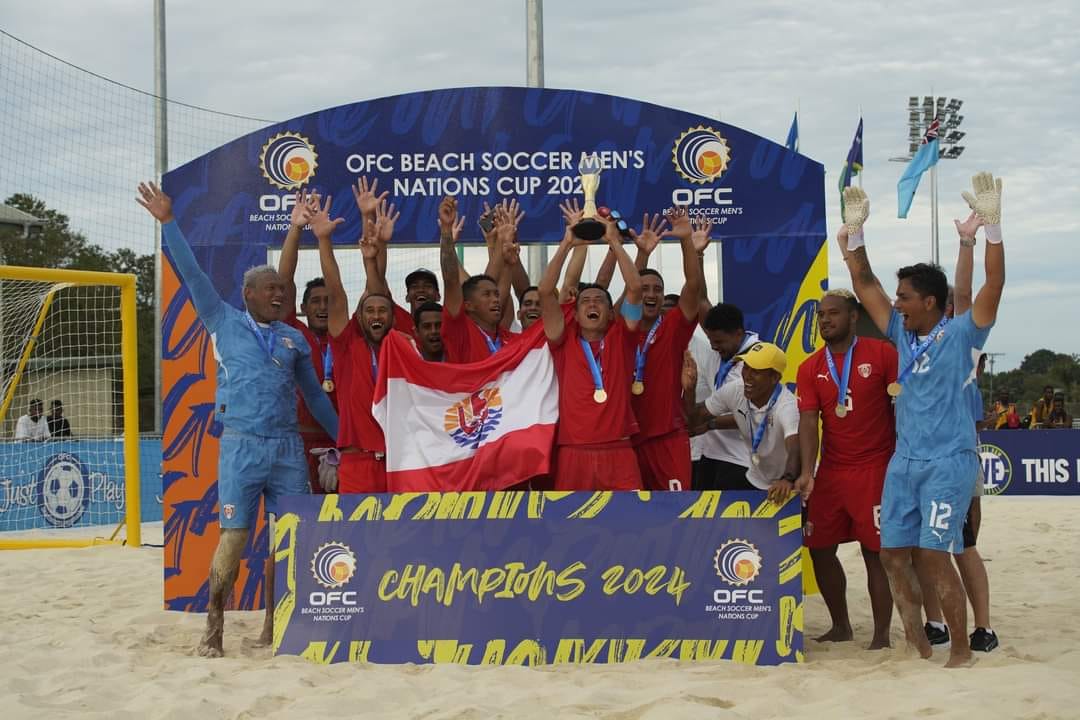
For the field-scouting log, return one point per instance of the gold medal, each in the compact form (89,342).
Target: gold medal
(638,387)
(600,395)
(328,385)
(894,389)
(756,459)
(841,411)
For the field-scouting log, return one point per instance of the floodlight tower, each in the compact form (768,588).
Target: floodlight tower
(920,115)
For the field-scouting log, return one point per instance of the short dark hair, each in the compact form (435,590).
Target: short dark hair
(311,285)
(582,287)
(384,296)
(429,306)
(57,403)
(649,271)
(672,297)
(35,401)
(724,317)
(526,291)
(469,286)
(928,280)
(1048,387)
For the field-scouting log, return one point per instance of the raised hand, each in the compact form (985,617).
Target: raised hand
(688,377)
(571,212)
(366,199)
(680,223)
(700,235)
(856,209)
(385,217)
(967,228)
(448,218)
(369,241)
(651,232)
(511,252)
(506,220)
(321,224)
(986,202)
(156,202)
(307,204)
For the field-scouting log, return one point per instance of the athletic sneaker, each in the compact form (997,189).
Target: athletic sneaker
(938,637)
(983,640)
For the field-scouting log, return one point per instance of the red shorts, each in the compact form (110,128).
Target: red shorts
(606,466)
(361,472)
(311,441)
(846,505)
(665,458)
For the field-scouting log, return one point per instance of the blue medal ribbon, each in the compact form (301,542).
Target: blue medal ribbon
(374,362)
(328,364)
(594,364)
(842,380)
(725,367)
(267,343)
(642,351)
(493,345)
(919,349)
(759,431)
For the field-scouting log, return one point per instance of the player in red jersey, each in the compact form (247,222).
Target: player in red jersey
(662,444)
(594,360)
(355,343)
(858,439)
(313,305)
(428,321)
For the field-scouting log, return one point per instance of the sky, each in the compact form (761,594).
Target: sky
(749,64)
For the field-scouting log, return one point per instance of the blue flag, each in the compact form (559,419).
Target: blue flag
(924,159)
(793,134)
(853,164)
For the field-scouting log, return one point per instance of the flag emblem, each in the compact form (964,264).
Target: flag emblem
(470,420)
(864,370)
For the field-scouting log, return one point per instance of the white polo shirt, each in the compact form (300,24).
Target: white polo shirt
(783,422)
(27,429)
(724,445)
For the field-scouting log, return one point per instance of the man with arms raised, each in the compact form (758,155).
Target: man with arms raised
(261,362)
(843,386)
(594,361)
(928,484)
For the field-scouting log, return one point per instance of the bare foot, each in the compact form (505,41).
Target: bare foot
(918,641)
(836,634)
(266,637)
(959,657)
(210,645)
(879,643)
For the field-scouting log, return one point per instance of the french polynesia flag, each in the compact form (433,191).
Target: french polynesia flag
(478,426)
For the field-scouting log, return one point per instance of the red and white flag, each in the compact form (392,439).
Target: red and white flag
(479,426)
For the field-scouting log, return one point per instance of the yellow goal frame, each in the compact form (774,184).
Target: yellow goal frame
(130,380)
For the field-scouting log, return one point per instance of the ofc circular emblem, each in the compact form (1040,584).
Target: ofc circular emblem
(701,154)
(997,469)
(470,420)
(333,565)
(63,491)
(288,160)
(737,562)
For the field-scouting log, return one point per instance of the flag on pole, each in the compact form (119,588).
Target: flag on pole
(853,164)
(481,426)
(924,159)
(793,134)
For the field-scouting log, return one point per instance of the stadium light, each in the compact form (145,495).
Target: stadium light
(921,112)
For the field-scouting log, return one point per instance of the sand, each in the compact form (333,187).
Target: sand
(85,636)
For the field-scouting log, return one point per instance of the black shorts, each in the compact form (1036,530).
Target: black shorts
(712,474)
(969,533)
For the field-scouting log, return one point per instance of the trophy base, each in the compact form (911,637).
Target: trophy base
(589,229)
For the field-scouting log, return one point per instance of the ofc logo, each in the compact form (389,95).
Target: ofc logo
(996,467)
(63,490)
(288,160)
(737,562)
(701,154)
(333,565)
(470,420)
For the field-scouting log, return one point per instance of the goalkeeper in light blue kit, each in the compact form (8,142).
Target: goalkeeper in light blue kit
(261,362)
(928,483)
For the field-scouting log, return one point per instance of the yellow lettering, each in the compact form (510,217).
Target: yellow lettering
(788,524)
(612,577)
(504,504)
(678,585)
(572,650)
(494,652)
(747,651)
(317,652)
(576,585)
(490,579)
(358,651)
(512,571)
(702,649)
(434,584)
(329,510)
(738,509)
(791,566)
(399,501)
(593,505)
(665,649)
(370,508)
(458,581)
(444,651)
(704,507)
(787,626)
(527,652)
(389,578)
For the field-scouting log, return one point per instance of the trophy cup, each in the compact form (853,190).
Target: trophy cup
(589,228)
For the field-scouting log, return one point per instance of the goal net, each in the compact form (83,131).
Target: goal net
(69,456)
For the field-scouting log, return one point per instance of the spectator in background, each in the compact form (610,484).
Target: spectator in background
(59,427)
(33,425)
(1058,417)
(1041,411)
(1006,417)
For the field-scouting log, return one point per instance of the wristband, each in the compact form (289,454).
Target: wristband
(993,234)
(967,242)
(855,240)
(630,311)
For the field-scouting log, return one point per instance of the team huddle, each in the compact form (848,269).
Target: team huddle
(643,403)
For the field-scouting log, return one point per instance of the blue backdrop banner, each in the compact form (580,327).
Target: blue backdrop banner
(534,578)
(1031,462)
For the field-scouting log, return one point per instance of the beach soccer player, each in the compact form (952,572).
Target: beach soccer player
(764,412)
(594,361)
(843,386)
(261,363)
(928,483)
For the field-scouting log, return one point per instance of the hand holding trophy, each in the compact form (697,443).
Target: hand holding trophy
(589,228)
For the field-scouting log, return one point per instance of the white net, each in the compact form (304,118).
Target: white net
(62,423)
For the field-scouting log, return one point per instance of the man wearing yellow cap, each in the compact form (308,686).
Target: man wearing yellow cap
(763,411)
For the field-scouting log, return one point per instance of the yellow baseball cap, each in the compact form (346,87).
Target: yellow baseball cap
(765,356)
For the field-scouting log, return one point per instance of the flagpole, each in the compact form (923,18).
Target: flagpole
(935,254)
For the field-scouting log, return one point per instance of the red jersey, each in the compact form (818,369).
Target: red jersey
(403,320)
(354,373)
(465,342)
(582,420)
(868,432)
(659,408)
(319,344)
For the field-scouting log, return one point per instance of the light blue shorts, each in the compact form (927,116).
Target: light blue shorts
(250,466)
(924,502)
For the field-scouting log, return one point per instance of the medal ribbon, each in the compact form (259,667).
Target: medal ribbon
(374,362)
(493,345)
(842,381)
(594,363)
(642,351)
(759,431)
(328,364)
(266,343)
(918,349)
(725,367)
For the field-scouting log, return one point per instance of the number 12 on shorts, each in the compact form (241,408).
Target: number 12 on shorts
(939,515)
